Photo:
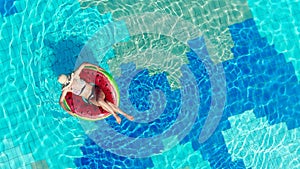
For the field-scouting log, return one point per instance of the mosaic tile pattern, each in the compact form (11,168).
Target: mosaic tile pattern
(180,156)
(31,121)
(261,145)
(96,157)
(144,50)
(266,81)
(214,149)
(12,156)
(259,79)
(279,22)
(212,17)
(154,46)
(150,88)
(250,85)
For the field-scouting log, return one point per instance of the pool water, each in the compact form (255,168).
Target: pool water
(211,84)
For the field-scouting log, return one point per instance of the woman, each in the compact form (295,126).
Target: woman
(77,86)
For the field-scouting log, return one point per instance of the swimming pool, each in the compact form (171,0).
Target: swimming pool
(212,84)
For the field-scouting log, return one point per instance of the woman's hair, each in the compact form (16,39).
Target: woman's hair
(65,79)
(62,79)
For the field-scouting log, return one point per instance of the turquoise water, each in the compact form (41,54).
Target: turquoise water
(212,84)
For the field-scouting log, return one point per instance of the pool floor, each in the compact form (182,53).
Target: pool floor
(212,84)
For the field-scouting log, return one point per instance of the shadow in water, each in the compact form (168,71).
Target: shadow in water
(66,53)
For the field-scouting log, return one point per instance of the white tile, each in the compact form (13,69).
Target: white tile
(7,143)
(3,158)
(28,158)
(13,153)
(5,165)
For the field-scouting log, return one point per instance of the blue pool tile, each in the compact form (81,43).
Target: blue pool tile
(105,159)
(139,90)
(269,72)
(7,7)
(66,58)
(257,78)
(213,149)
(3,158)
(252,90)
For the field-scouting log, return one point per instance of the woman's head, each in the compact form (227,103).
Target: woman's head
(63,79)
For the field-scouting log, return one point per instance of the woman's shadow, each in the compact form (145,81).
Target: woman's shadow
(69,55)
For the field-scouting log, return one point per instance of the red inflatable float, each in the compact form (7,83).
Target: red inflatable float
(80,107)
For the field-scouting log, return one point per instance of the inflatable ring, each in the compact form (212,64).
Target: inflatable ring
(80,107)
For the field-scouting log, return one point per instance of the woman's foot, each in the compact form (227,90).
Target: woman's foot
(118,119)
(131,118)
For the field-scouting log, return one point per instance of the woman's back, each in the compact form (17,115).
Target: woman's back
(78,86)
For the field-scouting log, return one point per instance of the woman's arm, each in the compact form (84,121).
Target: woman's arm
(79,69)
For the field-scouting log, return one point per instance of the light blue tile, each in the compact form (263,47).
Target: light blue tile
(4,123)
(20,5)
(15,163)
(28,167)
(25,148)
(5,165)
(13,152)
(3,133)
(8,144)
(32,145)
(28,158)
(4,45)
(13,120)
(296,134)
(22,137)
(21,163)
(293,147)
(3,158)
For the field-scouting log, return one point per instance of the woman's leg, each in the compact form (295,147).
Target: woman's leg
(117,109)
(101,94)
(106,107)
